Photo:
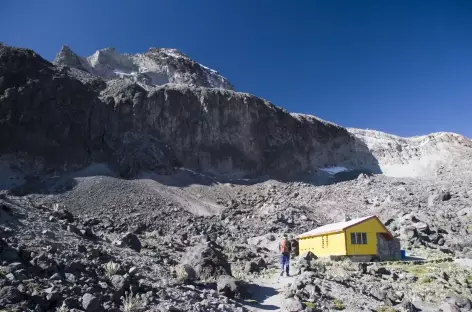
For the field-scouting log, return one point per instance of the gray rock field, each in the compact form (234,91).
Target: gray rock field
(123,195)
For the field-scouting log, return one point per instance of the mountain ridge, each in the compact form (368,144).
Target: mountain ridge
(208,129)
(109,186)
(156,66)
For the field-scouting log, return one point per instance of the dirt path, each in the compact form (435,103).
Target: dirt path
(268,293)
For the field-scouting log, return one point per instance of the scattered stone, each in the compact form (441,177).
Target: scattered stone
(291,305)
(207,261)
(226,285)
(70,277)
(90,303)
(63,214)
(53,297)
(132,241)
(10,276)
(81,248)
(118,282)
(9,255)
(308,255)
(251,267)
(73,229)
(9,295)
(48,234)
(56,277)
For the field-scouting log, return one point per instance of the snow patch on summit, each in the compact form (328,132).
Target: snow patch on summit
(157,66)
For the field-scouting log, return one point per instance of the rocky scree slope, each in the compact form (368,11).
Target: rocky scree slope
(60,117)
(155,67)
(437,155)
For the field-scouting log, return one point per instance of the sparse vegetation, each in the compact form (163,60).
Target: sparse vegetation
(385,309)
(62,309)
(338,304)
(152,234)
(309,305)
(131,303)
(111,268)
(426,280)
(238,273)
(208,280)
(181,272)
(230,248)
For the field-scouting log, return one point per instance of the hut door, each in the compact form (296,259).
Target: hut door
(355,244)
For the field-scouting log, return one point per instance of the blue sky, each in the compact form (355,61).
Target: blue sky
(403,67)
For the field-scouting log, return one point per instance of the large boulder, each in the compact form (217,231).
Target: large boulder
(207,260)
(132,241)
(292,304)
(226,285)
(90,303)
(308,255)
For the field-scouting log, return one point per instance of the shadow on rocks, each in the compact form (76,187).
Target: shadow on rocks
(258,294)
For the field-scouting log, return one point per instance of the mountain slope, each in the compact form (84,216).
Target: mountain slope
(155,67)
(433,155)
(76,121)
(60,116)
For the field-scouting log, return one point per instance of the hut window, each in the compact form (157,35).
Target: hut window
(359,238)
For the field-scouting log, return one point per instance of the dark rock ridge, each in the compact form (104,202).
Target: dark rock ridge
(58,117)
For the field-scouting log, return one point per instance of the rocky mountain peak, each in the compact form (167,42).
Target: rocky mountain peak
(169,52)
(157,66)
(67,57)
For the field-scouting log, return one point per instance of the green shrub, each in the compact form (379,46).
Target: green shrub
(181,272)
(426,280)
(309,304)
(385,309)
(111,268)
(131,303)
(338,305)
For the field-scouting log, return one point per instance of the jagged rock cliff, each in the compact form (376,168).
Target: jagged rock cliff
(48,112)
(157,66)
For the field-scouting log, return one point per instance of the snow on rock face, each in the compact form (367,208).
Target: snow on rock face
(155,67)
(429,155)
(334,170)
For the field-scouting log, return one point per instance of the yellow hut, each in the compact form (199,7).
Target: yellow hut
(365,238)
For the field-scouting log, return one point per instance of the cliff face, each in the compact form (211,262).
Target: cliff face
(47,112)
(61,115)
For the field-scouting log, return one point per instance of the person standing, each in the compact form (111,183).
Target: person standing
(285,249)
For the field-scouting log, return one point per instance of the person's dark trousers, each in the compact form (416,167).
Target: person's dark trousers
(284,264)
